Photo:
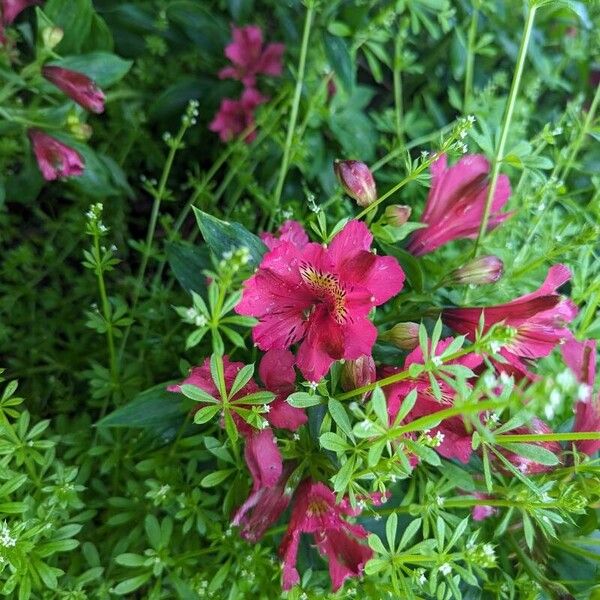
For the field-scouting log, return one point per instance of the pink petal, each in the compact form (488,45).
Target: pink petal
(580,357)
(354,237)
(270,62)
(263,458)
(276,370)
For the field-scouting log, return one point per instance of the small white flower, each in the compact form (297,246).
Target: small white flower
(312,385)
(266,408)
(488,550)
(445,569)
(296,436)
(6,539)
(440,500)
(471,119)
(583,392)
(437,361)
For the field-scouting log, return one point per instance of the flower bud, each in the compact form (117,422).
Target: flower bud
(356,373)
(52,36)
(479,271)
(403,335)
(357,181)
(397,214)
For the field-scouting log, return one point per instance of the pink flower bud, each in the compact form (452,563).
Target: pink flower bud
(54,158)
(356,373)
(479,271)
(403,335)
(397,214)
(357,181)
(77,86)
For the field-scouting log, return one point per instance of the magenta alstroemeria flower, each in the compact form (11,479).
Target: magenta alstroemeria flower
(236,116)
(249,58)
(77,86)
(535,323)
(456,202)
(54,158)
(315,512)
(11,9)
(290,231)
(320,298)
(277,373)
(581,359)
(454,439)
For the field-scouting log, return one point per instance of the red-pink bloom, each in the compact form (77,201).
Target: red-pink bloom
(77,86)
(315,512)
(456,202)
(249,58)
(581,359)
(290,231)
(54,158)
(320,298)
(236,116)
(357,180)
(455,440)
(482,511)
(12,8)
(535,323)
(357,373)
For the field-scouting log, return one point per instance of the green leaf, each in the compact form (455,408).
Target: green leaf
(533,452)
(74,17)
(407,405)
(259,398)
(104,68)
(216,478)
(376,544)
(303,400)
(205,414)
(241,379)
(334,442)
(129,559)
(391,526)
(222,236)
(380,406)
(193,392)
(187,263)
(131,584)
(340,416)
(338,54)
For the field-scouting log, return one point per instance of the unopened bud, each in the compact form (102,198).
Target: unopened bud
(403,335)
(356,373)
(397,214)
(52,36)
(479,271)
(357,181)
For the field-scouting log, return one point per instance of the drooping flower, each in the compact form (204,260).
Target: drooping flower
(237,116)
(320,298)
(456,202)
(535,323)
(290,231)
(454,440)
(581,359)
(357,180)
(11,9)
(315,512)
(77,86)
(249,58)
(54,158)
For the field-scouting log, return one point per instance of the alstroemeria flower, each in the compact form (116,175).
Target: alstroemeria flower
(54,158)
(236,116)
(249,58)
(290,231)
(315,512)
(454,439)
(456,202)
(535,323)
(581,359)
(77,86)
(320,298)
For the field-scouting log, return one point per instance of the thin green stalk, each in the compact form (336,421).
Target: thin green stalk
(548,437)
(470,57)
(510,107)
(285,161)
(398,104)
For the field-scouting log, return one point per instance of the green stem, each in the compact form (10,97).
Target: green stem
(548,437)
(510,107)
(285,161)
(470,58)
(398,105)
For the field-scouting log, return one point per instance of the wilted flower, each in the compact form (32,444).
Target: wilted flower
(357,180)
(249,58)
(456,202)
(358,372)
(77,86)
(479,271)
(397,214)
(315,512)
(54,158)
(321,298)
(403,335)
(236,116)
(535,323)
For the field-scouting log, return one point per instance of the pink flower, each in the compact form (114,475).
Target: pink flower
(77,86)
(316,512)
(535,323)
(236,116)
(456,201)
(277,373)
(581,359)
(320,298)
(290,231)
(54,158)
(357,373)
(357,180)
(482,511)
(249,58)
(455,440)
(12,8)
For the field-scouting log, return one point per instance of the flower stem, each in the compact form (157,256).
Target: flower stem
(398,105)
(548,437)
(285,161)
(470,57)
(510,107)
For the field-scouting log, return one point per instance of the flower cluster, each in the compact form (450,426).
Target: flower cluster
(249,58)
